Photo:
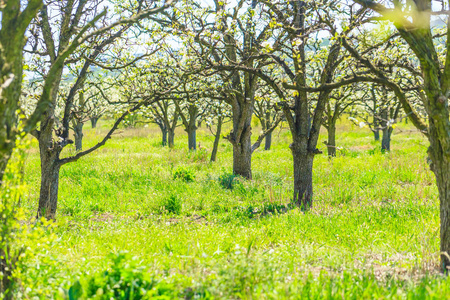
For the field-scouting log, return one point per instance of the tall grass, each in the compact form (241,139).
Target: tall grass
(372,232)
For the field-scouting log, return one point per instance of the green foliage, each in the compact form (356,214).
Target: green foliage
(375,216)
(200,155)
(184,173)
(18,238)
(228,180)
(173,204)
(123,280)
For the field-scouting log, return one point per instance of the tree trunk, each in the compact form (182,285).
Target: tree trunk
(242,159)
(192,141)
(241,138)
(94,121)
(440,165)
(78,133)
(442,173)
(48,198)
(163,132)
(303,167)
(217,139)
(331,143)
(268,141)
(171,133)
(376,134)
(386,140)
(164,137)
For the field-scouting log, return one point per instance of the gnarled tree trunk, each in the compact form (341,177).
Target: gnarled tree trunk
(78,134)
(163,132)
(242,159)
(376,134)
(386,140)
(164,137)
(303,170)
(440,165)
(94,121)
(242,152)
(331,143)
(241,135)
(48,197)
(192,141)
(217,139)
(171,140)
(268,141)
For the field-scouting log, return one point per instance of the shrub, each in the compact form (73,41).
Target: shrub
(173,204)
(123,280)
(21,244)
(227,180)
(184,173)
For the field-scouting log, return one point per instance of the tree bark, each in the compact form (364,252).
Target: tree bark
(171,133)
(268,141)
(331,143)
(386,140)
(386,129)
(192,141)
(48,198)
(164,137)
(216,139)
(440,165)
(94,121)
(442,173)
(242,144)
(14,22)
(303,168)
(242,159)
(376,134)
(163,132)
(240,137)
(78,133)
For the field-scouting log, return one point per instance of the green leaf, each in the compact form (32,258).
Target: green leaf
(75,291)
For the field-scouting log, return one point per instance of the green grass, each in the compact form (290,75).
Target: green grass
(372,232)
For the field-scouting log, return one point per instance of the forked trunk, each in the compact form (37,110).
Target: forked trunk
(78,134)
(48,198)
(268,141)
(331,143)
(303,167)
(376,134)
(216,140)
(94,121)
(192,141)
(171,139)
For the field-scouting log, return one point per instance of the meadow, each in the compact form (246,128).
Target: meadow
(137,220)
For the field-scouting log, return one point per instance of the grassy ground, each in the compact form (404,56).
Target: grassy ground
(372,233)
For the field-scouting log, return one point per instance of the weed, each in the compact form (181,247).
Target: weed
(173,204)
(184,173)
(228,180)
